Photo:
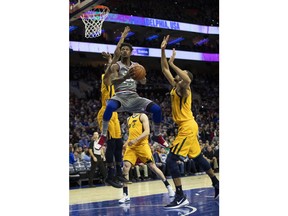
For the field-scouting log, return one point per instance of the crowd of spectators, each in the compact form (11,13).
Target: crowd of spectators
(83,111)
(202,12)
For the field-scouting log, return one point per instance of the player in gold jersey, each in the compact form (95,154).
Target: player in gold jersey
(186,142)
(114,141)
(137,146)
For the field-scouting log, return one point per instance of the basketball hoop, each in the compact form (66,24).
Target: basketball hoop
(94,19)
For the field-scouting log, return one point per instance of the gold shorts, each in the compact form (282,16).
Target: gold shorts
(114,129)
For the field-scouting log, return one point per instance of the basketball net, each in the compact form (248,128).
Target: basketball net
(93,20)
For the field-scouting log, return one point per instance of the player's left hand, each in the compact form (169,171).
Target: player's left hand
(106,55)
(131,142)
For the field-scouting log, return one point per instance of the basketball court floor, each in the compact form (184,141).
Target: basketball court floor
(147,198)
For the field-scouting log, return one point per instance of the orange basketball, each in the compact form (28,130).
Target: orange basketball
(139,72)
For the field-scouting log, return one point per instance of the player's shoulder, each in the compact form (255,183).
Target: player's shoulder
(143,116)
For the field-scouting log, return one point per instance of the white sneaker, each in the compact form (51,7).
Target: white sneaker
(171,193)
(124,199)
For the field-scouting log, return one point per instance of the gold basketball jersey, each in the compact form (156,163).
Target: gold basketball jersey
(181,107)
(135,128)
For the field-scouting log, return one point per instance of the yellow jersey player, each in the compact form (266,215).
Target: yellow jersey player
(114,141)
(186,142)
(137,146)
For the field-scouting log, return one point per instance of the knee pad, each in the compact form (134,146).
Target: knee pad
(111,106)
(156,110)
(202,162)
(172,165)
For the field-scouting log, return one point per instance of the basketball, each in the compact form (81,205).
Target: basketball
(139,72)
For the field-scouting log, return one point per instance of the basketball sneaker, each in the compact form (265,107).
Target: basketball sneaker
(124,199)
(113,183)
(171,193)
(100,142)
(178,202)
(159,139)
(121,178)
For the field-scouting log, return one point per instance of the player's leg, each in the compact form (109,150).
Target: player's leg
(155,109)
(178,150)
(126,167)
(195,153)
(118,159)
(111,106)
(205,165)
(109,154)
(116,134)
(160,174)
(129,159)
(180,198)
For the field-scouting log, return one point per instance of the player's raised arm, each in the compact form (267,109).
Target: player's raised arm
(108,72)
(164,63)
(181,73)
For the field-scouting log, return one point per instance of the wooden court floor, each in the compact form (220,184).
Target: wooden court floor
(147,198)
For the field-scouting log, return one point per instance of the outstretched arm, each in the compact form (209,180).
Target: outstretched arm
(164,63)
(108,72)
(183,74)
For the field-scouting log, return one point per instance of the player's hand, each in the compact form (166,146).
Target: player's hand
(107,56)
(131,142)
(164,42)
(125,32)
(130,73)
(172,58)
(124,146)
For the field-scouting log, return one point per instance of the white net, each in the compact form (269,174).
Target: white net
(93,20)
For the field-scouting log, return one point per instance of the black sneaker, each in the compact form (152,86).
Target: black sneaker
(178,202)
(114,183)
(216,187)
(121,178)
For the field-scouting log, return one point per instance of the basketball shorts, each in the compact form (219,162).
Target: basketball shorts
(186,142)
(143,152)
(114,129)
(131,102)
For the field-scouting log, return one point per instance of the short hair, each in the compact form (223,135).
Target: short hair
(126,44)
(190,75)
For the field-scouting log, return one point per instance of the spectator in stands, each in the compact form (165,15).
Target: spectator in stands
(85,155)
(210,157)
(139,168)
(72,159)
